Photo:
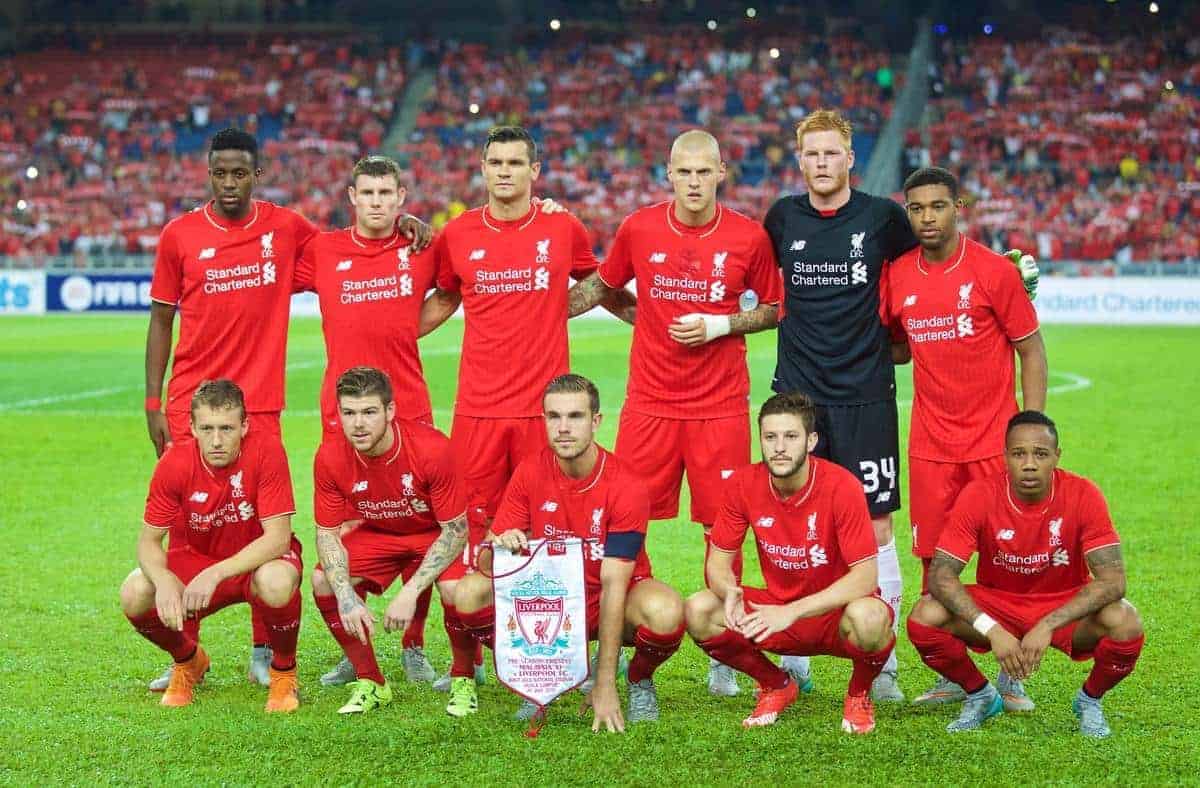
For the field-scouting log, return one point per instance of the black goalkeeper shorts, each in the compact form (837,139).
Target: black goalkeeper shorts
(864,439)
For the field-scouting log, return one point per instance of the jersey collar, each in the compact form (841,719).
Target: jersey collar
(945,269)
(383,459)
(682,229)
(224,225)
(499,226)
(377,243)
(800,496)
(1039,508)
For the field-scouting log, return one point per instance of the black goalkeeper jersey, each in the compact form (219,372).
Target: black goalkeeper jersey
(832,345)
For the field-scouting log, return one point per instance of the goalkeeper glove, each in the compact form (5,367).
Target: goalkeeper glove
(1028,268)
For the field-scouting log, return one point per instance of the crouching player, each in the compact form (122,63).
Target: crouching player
(818,555)
(575,487)
(232,490)
(1050,574)
(387,504)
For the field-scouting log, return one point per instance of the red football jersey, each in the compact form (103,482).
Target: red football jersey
(222,508)
(605,507)
(408,490)
(960,319)
(805,542)
(680,270)
(371,291)
(1029,549)
(514,278)
(232,282)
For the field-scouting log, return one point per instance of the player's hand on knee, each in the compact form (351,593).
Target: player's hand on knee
(198,594)
(358,621)
(400,611)
(1034,646)
(160,435)
(513,540)
(606,709)
(735,609)
(765,620)
(1008,652)
(168,598)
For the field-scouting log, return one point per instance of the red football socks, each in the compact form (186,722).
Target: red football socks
(867,665)
(283,630)
(651,649)
(481,624)
(362,656)
(414,634)
(737,652)
(946,654)
(1114,660)
(462,643)
(178,644)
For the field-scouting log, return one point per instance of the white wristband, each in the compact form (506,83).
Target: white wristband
(714,325)
(983,624)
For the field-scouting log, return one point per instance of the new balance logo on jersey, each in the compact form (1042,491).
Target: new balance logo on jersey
(543,251)
(858,273)
(267,239)
(812,527)
(550,506)
(208,253)
(268,273)
(236,481)
(359,487)
(199,497)
(402,258)
(798,246)
(1055,531)
(964,295)
(816,556)
(856,244)
(719,264)
(658,257)
(883,497)
(910,300)
(541,277)
(477,254)
(716,292)
(344,265)
(765,522)
(966,326)
(726,473)
(1006,534)
(245,510)
(1060,558)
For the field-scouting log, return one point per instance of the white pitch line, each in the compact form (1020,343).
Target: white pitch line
(34,403)
(1075,383)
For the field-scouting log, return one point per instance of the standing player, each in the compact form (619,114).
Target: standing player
(509,264)
(832,243)
(817,550)
(371,285)
(1050,574)
(231,490)
(687,404)
(960,310)
(392,483)
(598,498)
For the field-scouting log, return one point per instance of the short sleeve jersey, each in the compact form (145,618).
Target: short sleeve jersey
(805,542)
(222,508)
(513,277)
(609,508)
(832,344)
(1023,548)
(408,490)
(960,319)
(371,292)
(232,283)
(681,270)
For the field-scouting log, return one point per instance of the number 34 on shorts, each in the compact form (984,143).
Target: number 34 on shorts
(878,478)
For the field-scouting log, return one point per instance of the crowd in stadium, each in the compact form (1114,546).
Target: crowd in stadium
(1064,144)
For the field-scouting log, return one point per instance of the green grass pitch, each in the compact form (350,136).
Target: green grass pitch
(75,460)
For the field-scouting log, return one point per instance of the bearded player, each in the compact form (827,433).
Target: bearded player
(1050,573)
(388,504)
(231,489)
(817,552)
(687,403)
(371,284)
(625,604)
(960,311)
(227,268)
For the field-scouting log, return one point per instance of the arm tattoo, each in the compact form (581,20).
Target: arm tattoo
(1106,587)
(621,303)
(443,552)
(946,587)
(760,318)
(336,564)
(586,294)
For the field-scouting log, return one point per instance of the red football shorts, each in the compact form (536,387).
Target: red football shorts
(660,450)
(593,606)
(379,557)
(933,487)
(1019,613)
(185,563)
(808,636)
(487,452)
